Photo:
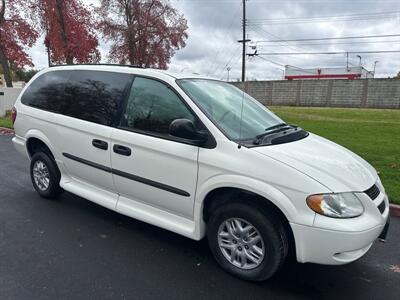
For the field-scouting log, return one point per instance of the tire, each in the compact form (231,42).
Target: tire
(46,167)
(273,236)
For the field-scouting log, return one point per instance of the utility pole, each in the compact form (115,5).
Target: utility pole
(228,69)
(244,41)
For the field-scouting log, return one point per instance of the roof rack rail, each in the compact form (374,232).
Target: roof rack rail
(112,65)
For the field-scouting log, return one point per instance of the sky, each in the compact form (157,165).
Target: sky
(215,26)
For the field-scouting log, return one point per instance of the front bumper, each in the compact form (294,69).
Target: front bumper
(333,241)
(330,247)
(382,236)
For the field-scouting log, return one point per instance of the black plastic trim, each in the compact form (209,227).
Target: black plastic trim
(87,162)
(100,144)
(122,150)
(169,137)
(143,180)
(155,184)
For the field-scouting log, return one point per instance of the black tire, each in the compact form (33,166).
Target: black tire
(269,227)
(53,190)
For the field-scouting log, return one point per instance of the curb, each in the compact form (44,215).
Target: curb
(395,210)
(6,131)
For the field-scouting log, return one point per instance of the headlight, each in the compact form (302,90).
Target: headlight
(345,205)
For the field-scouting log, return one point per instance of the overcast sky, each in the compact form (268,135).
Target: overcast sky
(215,27)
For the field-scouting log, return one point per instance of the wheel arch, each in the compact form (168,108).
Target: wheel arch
(250,191)
(37,141)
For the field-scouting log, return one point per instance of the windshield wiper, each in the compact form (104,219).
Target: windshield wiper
(270,130)
(276,126)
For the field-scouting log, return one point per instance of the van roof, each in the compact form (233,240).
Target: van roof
(129,69)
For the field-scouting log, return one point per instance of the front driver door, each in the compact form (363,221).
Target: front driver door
(149,166)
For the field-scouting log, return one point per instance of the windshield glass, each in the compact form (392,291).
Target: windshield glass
(226,105)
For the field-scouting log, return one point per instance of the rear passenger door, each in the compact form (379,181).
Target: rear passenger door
(149,165)
(92,102)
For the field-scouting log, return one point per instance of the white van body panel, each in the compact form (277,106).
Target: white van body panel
(282,174)
(164,161)
(328,163)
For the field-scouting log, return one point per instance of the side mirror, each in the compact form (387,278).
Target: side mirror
(184,128)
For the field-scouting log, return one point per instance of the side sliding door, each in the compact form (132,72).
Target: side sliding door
(150,167)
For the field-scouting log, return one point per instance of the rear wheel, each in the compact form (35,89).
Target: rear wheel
(45,175)
(246,241)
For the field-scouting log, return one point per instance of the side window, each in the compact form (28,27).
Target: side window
(95,96)
(46,91)
(152,106)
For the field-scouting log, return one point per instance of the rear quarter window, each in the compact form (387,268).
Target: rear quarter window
(46,91)
(96,96)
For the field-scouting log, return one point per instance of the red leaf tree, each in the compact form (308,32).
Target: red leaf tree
(69,31)
(16,35)
(142,32)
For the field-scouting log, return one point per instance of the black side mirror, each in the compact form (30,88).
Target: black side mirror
(184,128)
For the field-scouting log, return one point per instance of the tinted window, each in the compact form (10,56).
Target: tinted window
(95,96)
(152,106)
(46,91)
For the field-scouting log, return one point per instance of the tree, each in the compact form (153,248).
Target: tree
(69,31)
(24,75)
(397,76)
(142,32)
(16,34)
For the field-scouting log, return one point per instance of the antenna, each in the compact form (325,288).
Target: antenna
(241,120)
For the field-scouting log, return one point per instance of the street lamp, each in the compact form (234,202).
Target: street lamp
(228,69)
(375,66)
(359,56)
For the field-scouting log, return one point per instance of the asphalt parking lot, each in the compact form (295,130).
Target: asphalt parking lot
(75,249)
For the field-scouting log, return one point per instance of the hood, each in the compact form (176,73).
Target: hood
(332,165)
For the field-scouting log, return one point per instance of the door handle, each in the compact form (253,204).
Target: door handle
(100,144)
(122,150)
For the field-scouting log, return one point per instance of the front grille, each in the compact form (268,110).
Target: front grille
(382,207)
(373,192)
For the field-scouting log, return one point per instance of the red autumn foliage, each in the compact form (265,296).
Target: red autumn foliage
(69,31)
(16,35)
(142,32)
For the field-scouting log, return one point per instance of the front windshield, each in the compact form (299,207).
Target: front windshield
(238,115)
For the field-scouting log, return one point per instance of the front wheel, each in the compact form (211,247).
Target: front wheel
(246,241)
(45,176)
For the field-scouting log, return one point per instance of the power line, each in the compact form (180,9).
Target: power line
(336,16)
(214,61)
(230,54)
(331,38)
(281,65)
(329,53)
(270,61)
(336,43)
(221,70)
(318,21)
(260,30)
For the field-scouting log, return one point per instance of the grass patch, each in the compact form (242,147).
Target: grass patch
(6,121)
(374,134)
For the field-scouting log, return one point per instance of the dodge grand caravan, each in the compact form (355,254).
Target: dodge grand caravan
(200,158)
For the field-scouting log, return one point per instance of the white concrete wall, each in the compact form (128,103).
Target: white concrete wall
(7,101)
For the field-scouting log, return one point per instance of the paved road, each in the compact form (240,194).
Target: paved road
(74,249)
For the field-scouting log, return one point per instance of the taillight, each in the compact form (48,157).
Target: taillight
(13,114)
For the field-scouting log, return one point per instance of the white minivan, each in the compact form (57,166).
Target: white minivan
(200,158)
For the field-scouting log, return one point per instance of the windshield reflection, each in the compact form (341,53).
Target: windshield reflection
(238,115)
